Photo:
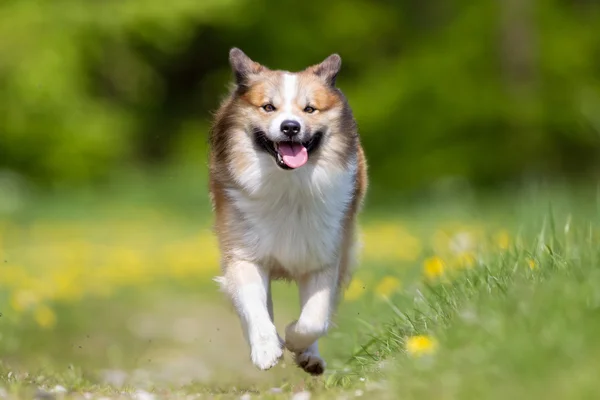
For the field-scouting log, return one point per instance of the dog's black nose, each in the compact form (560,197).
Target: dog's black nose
(290,128)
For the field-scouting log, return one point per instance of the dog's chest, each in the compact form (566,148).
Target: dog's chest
(296,222)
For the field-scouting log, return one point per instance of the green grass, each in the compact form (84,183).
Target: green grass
(503,329)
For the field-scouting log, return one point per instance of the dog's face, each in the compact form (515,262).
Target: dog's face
(290,117)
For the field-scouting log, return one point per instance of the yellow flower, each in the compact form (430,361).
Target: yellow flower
(532,264)
(503,239)
(44,316)
(434,267)
(420,345)
(67,282)
(387,286)
(355,290)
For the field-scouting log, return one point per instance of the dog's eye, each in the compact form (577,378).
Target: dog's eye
(309,109)
(269,107)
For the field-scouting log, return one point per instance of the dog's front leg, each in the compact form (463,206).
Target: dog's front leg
(249,288)
(317,297)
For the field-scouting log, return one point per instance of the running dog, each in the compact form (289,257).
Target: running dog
(288,177)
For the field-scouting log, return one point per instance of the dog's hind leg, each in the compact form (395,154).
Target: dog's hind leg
(248,285)
(317,297)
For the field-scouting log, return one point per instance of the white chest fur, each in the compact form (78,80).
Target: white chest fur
(294,217)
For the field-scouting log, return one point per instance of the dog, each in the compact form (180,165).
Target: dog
(287,180)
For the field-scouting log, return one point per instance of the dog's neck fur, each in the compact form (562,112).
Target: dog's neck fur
(292,220)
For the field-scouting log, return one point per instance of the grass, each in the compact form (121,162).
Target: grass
(523,324)
(107,293)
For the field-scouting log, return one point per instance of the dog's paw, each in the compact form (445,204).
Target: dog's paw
(267,352)
(310,362)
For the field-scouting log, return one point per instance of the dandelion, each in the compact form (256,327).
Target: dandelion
(44,316)
(531,263)
(434,267)
(503,239)
(355,290)
(387,286)
(420,345)
(68,283)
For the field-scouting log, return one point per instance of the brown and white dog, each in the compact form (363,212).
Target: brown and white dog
(287,180)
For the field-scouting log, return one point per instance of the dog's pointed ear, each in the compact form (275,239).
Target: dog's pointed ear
(328,69)
(242,66)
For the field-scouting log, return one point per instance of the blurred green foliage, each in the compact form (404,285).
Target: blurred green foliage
(483,90)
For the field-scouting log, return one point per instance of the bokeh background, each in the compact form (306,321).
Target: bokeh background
(106,254)
(486,91)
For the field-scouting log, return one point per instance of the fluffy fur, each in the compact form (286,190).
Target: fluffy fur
(277,223)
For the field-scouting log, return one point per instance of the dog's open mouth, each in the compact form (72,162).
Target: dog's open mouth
(288,154)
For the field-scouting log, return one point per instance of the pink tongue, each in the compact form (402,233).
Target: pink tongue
(294,155)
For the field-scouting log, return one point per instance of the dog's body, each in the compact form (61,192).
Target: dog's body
(287,180)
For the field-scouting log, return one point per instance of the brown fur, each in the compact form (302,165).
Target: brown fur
(234,156)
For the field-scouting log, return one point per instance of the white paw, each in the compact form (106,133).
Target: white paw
(266,352)
(311,362)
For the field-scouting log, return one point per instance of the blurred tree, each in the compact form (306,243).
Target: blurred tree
(482,90)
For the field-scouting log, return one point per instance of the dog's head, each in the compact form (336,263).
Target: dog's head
(290,118)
